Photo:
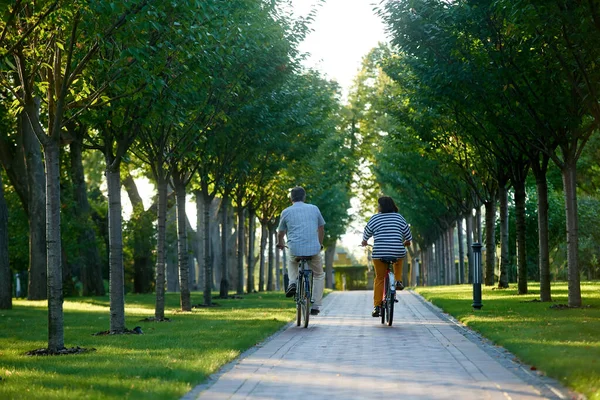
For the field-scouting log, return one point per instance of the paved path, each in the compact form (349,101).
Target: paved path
(347,354)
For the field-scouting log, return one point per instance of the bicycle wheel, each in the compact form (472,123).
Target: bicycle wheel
(304,302)
(298,303)
(383,307)
(389,316)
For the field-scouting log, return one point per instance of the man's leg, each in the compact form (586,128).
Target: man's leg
(292,269)
(316,265)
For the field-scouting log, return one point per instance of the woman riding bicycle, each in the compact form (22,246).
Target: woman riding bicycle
(391,236)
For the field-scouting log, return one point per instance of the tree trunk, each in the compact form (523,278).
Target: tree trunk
(91,264)
(521,237)
(115,235)
(329,256)
(263,246)
(539,172)
(56,339)
(271,270)
(172,251)
(161,238)
(200,237)
(36,180)
(569,175)
(452,256)
(490,241)
(461,251)
(241,240)
(5,273)
(231,249)
(224,287)
(469,228)
(251,242)
(504,237)
(277,266)
(207,255)
(182,245)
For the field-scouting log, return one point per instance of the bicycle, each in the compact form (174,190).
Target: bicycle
(389,293)
(303,296)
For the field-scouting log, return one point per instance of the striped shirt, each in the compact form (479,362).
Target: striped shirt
(390,231)
(301,221)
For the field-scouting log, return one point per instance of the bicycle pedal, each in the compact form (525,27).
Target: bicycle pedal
(396,300)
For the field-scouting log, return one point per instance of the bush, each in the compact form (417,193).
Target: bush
(356,277)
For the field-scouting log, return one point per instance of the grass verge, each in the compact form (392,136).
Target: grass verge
(165,362)
(563,343)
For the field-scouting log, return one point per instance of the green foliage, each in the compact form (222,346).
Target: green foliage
(18,226)
(562,343)
(350,277)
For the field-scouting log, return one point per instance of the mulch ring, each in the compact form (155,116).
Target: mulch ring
(62,352)
(154,319)
(135,331)
(205,306)
(567,307)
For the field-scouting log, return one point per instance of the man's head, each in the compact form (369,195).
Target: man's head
(297,194)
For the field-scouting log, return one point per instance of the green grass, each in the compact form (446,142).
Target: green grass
(562,343)
(167,361)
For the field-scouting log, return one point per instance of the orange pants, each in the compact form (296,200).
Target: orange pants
(380,272)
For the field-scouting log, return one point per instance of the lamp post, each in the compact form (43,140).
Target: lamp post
(477,276)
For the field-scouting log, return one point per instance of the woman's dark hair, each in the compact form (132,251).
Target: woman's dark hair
(387,205)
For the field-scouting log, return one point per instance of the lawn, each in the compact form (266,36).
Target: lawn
(165,362)
(560,342)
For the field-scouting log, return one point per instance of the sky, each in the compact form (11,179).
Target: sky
(344,31)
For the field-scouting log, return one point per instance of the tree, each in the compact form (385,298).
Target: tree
(5,272)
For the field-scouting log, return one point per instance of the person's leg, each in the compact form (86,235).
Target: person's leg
(316,265)
(398,269)
(292,268)
(380,270)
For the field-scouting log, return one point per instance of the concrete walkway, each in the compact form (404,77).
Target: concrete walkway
(347,354)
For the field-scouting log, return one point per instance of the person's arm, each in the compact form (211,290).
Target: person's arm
(321,233)
(280,241)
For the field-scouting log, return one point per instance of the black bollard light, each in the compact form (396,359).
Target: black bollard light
(477,275)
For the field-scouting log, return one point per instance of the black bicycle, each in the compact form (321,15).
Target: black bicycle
(303,291)
(389,293)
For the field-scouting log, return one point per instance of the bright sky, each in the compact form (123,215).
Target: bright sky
(344,32)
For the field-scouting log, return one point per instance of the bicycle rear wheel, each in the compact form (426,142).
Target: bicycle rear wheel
(298,301)
(389,301)
(383,307)
(304,302)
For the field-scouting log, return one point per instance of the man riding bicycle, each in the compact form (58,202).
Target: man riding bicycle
(391,234)
(304,226)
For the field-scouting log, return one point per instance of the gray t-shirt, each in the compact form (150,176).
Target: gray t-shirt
(301,222)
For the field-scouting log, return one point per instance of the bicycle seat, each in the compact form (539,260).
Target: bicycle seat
(305,258)
(389,260)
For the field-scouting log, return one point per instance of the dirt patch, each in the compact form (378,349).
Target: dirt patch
(62,352)
(153,319)
(135,331)
(567,307)
(205,306)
